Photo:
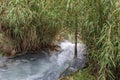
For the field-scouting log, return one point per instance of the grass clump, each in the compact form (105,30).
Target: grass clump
(100,32)
(80,75)
(98,25)
(29,25)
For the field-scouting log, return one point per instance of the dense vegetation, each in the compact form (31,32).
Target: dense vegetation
(28,25)
(101,31)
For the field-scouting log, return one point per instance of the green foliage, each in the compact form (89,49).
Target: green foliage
(80,75)
(31,25)
(34,24)
(100,32)
(83,75)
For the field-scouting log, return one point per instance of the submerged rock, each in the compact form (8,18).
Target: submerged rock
(43,66)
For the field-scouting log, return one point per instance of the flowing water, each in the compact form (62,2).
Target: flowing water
(43,66)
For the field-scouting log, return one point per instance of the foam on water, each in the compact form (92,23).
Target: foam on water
(43,66)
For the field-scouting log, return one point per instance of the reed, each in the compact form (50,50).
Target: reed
(100,32)
(28,25)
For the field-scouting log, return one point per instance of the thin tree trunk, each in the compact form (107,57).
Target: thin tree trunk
(76,27)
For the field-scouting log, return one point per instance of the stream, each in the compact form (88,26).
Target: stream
(44,65)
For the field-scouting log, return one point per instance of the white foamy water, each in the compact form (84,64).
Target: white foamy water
(43,66)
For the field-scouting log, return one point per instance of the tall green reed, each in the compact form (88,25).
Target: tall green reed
(100,32)
(31,25)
